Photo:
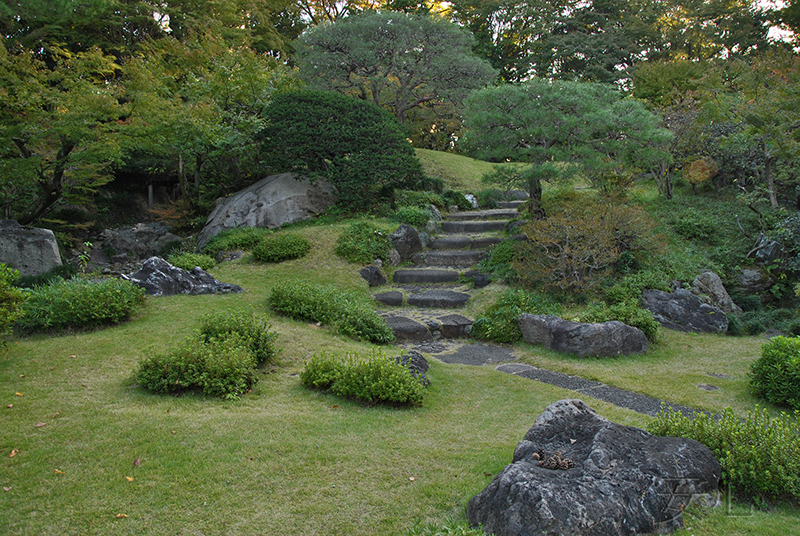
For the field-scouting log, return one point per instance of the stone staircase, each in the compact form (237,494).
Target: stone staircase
(425,298)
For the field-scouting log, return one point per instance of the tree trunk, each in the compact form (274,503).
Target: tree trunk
(182,178)
(773,196)
(50,188)
(198,165)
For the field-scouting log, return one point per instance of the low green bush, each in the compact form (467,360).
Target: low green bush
(188,261)
(79,303)
(489,198)
(11,300)
(500,260)
(282,247)
(629,313)
(630,288)
(253,328)
(244,238)
(500,322)
(421,198)
(65,271)
(759,455)
(775,376)
(372,380)
(351,314)
(222,367)
(456,198)
(417,217)
(363,242)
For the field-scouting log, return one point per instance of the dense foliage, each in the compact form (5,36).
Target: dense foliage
(363,242)
(759,456)
(188,261)
(352,315)
(252,328)
(79,303)
(244,238)
(359,148)
(775,376)
(372,380)
(500,321)
(281,247)
(11,299)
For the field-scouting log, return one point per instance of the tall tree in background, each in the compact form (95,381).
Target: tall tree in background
(395,60)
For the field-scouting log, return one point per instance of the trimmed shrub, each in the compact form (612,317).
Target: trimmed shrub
(630,289)
(500,322)
(418,198)
(10,300)
(372,380)
(253,329)
(628,313)
(363,242)
(456,198)
(65,271)
(352,315)
(222,367)
(501,259)
(188,261)
(358,147)
(775,376)
(489,198)
(282,247)
(759,456)
(244,238)
(80,303)
(414,216)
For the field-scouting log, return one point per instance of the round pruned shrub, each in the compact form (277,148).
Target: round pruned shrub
(417,217)
(501,259)
(253,328)
(363,242)
(282,247)
(759,455)
(80,303)
(188,261)
(372,380)
(418,198)
(500,322)
(775,376)
(240,238)
(628,313)
(352,314)
(222,367)
(458,199)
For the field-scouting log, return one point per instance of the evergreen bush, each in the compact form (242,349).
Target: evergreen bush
(188,261)
(416,217)
(775,376)
(759,455)
(500,322)
(282,247)
(252,328)
(501,259)
(456,198)
(363,242)
(79,303)
(629,313)
(11,299)
(418,198)
(65,271)
(244,238)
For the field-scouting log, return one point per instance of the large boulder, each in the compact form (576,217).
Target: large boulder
(683,311)
(603,339)
(405,239)
(142,241)
(577,473)
(709,287)
(753,282)
(271,202)
(160,278)
(29,250)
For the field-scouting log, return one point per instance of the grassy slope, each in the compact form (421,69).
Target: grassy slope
(459,172)
(284,460)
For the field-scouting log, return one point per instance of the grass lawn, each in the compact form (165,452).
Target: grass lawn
(96,454)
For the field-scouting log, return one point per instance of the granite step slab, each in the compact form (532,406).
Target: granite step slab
(437,298)
(455,242)
(449,258)
(490,214)
(422,275)
(473,226)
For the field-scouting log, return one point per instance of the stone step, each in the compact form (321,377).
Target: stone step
(490,214)
(512,204)
(411,326)
(422,275)
(456,242)
(473,226)
(437,298)
(449,258)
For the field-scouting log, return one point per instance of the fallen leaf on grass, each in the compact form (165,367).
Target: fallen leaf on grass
(72,357)
(13,453)
(411,478)
(55,414)
(40,424)
(18,394)
(21,375)
(9,406)
(136,462)
(129,478)
(60,472)
(7,488)
(120,516)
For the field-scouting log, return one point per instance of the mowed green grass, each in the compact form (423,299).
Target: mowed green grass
(284,460)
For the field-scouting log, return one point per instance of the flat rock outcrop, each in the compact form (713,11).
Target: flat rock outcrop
(577,473)
(603,339)
(683,311)
(160,278)
(270,202)
(29,250)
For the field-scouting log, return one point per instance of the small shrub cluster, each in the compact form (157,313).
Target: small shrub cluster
(188,261)
(489,198)
(79,303)
(11,299)
(281,247)
(221,359)
(456,198)
(372,380)
(65,271)
(626,312)
(352,315)
(630,288)
(757,321)
(252,328)
(501,259)
(244,238)
(759,456)
(500,322)
(775,376)
(363,242)
(418,198)
(414,216)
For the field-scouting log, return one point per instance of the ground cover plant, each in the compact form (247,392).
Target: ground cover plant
(500,321)
(281,247)
(363,242)
(244,238)
(10,300)
(79,303)
(188,261)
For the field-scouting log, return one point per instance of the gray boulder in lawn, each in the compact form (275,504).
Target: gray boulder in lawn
(29,250)
(577,473)
(683,311)
(160,278)
(602,339)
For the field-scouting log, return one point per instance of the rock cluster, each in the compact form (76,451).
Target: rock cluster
(618,480)
(160,278)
